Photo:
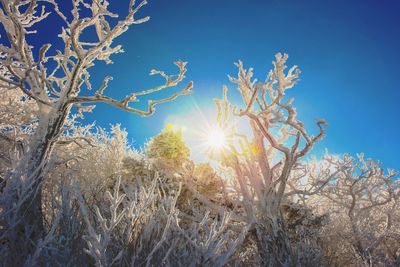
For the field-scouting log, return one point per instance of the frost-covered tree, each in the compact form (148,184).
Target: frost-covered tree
(56,80)
(362,201)
(264,165)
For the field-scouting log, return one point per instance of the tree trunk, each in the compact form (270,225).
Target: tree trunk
(23,191)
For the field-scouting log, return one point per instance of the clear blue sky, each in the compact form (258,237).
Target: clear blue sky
(348,51)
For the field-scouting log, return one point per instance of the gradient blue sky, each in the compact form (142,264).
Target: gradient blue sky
(348,51)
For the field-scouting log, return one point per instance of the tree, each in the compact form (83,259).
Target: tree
(362,201)
(263,166)
(168,146)
(55,80)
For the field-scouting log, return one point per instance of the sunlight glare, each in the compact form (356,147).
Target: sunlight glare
(216,139)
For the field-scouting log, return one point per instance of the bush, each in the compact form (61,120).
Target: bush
(170,146)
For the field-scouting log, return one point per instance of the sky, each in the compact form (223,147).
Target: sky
(348,52)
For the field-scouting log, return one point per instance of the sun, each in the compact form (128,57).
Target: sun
(216,139)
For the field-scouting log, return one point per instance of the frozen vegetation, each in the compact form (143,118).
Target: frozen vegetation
(77,195)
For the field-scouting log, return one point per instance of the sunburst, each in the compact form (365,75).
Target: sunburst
(216,141)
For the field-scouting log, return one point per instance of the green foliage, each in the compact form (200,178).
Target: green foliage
(169,145)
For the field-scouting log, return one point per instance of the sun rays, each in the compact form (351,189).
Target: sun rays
(216,141)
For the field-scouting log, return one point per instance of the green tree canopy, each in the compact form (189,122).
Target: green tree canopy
(169,145)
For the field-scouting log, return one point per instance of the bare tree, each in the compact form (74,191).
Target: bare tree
(264,165)
(56,82)
(362,201)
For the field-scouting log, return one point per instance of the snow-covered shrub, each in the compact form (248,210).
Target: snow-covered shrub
(208,182)
(17,122)
(362,201)
(305,232)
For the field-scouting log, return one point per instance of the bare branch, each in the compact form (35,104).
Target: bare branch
(124,103)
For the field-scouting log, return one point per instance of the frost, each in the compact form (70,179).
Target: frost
(80,195)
